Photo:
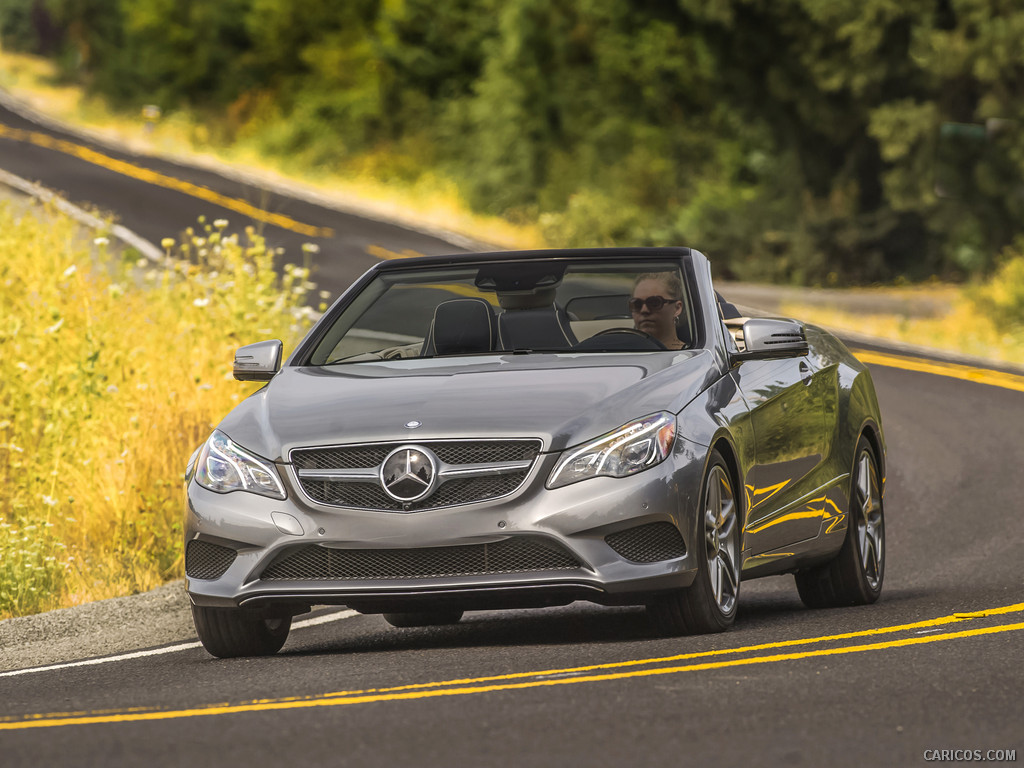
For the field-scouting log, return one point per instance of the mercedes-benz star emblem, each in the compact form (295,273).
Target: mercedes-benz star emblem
(409,473)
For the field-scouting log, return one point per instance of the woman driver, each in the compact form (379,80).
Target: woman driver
(656,305)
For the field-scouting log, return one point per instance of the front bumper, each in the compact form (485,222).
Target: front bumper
(575,520)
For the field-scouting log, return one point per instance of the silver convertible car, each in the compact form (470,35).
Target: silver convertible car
(529,429)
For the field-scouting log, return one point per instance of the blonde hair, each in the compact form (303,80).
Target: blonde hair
(673,285)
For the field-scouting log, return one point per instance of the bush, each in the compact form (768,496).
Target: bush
(1001,297)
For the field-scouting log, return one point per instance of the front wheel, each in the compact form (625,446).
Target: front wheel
(709,604)
(855,576)
(231,632)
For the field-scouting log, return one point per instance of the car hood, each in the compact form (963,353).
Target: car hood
(562,399)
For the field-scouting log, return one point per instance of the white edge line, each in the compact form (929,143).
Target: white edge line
(83,217)
(283,187)
(168,649)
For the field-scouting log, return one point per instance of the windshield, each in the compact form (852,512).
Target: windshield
(526,307)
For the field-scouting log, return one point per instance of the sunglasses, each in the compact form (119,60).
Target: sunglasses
(654,303)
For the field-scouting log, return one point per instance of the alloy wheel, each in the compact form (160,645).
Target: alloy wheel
(720,525)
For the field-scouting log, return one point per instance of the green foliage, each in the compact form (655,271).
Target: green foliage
(805,140)
(16,28)
(1001,297)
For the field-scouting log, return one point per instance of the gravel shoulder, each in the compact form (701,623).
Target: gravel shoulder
(103,628)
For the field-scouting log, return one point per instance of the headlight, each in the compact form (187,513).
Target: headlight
(224,467)
(627,450)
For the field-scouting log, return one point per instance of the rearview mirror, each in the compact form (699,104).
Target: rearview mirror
(259,361)
(767,338)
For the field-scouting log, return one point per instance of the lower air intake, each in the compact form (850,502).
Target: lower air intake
(649,543)
(204,560)
(513,555)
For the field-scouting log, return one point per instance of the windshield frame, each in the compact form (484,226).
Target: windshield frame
(357,292)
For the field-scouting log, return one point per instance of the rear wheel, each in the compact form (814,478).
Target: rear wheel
(423,619)
(709,604)
(855,576)
(230,632)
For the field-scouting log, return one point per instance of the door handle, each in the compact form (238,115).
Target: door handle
(806,372)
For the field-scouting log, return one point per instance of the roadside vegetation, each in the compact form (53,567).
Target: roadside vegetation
(117,368)
(805,142)
(984,319)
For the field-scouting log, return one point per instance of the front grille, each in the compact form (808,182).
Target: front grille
(369,495)
(513,555)
(649,543)
(372,496)
(204,560)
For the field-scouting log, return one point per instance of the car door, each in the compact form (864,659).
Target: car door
(786,398)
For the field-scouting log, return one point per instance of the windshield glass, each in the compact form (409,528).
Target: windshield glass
(530,306)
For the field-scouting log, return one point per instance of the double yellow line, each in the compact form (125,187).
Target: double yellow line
(597,673)
(951,370)
(161,180)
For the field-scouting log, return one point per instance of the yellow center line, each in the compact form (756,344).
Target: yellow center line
(952,370)
(271,706)
(161,180)
(924,624)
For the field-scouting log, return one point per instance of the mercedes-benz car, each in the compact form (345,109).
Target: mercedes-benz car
(527,429)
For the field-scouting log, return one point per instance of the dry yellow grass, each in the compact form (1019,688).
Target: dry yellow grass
(118,369)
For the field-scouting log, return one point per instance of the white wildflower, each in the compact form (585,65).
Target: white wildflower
(49,501)
(200,302)
(220,223)
(310,248)
(70,270)
(55,327)
(101,241)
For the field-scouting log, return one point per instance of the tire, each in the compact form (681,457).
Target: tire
(231,632)
(855,575)
(424,619)
(710,603)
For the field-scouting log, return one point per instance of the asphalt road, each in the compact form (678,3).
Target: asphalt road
(936,664)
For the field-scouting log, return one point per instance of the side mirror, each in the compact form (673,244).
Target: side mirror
(768,338)
(259,361)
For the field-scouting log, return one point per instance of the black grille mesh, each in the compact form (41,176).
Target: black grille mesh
(649,543)
(455,452)
(341,458)
(204,560)
(514,555)
(372,496)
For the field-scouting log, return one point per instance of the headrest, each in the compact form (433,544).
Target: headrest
(463,325)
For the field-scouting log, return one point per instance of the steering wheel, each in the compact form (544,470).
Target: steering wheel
(632,332)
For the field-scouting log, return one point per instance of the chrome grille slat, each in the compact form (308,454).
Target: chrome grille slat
(514,555)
